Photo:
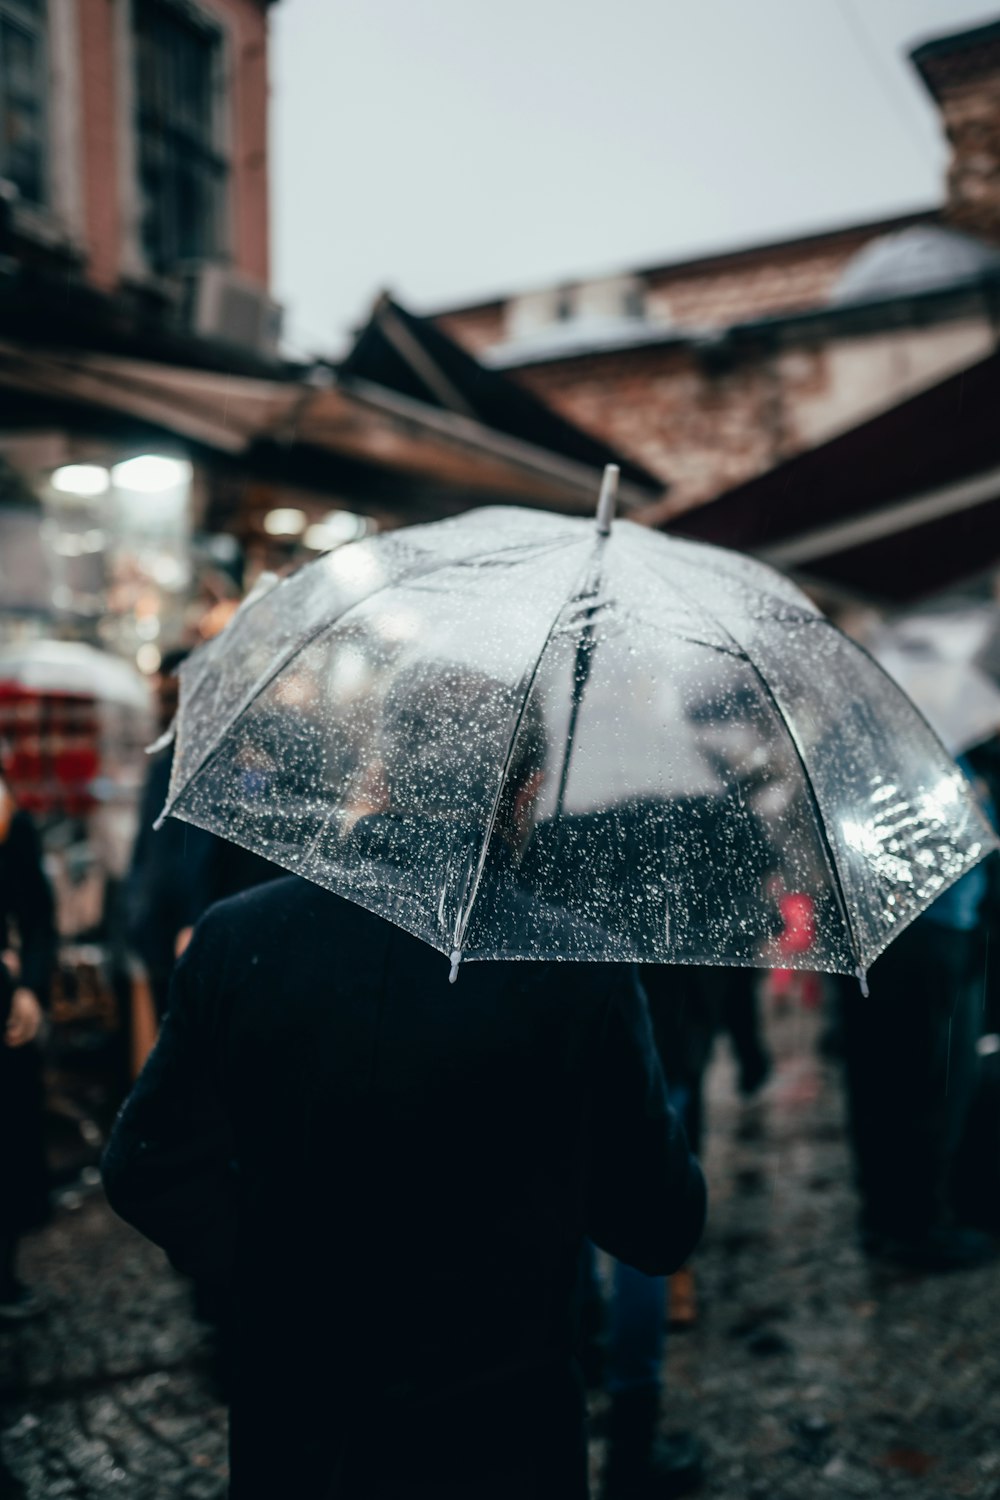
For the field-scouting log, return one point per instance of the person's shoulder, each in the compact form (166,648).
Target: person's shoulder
(22,839)
(281,922)
(271,905)
(602,984)
(22,826)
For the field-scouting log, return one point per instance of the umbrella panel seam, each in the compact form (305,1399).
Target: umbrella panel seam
(793,737)
(263,682)
(463,917)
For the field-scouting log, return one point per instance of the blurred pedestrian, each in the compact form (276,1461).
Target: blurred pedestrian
(177,871)
(641,1462)
(399,1174)
(169,880)
(26,913)
(984,762)
(911,1064)
(684,1003)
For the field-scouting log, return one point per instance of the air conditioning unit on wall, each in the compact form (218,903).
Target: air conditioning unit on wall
(228,307)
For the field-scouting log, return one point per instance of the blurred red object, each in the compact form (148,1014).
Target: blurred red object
(50,745)
(786,985)
(798,916)
(798,913)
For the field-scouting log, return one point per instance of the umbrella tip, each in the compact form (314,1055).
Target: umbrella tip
(456,959)
(607,499)
(166,738)
(862,979)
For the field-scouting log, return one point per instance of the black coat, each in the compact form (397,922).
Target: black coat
(26,910)
(26,905)
(176,873)
(400,1173)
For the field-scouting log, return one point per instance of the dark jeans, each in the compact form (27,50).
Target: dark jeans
(741,1016)
(637,1329)
(910,1061)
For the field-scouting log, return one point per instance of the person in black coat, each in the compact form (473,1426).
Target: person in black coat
(26,912)
(398,1174)
(176,871)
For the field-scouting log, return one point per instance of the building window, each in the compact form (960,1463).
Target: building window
(182,171)
(23,94)
(564,306)
(634,300)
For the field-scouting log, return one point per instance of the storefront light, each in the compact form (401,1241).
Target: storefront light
(151,473)
(338,527)
(85,480)
(170,572)
(148,658)
(286,521)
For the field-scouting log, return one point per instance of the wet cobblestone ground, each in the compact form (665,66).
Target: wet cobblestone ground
(810,1372)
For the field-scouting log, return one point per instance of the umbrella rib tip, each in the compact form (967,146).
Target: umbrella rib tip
(456,959)
(608,499)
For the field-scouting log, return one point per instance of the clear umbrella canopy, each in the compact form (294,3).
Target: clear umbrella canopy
(519,739)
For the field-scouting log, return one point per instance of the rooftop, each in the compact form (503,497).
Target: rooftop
(979,46)
(720,257)
(922,258)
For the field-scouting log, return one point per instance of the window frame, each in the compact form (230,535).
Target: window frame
(214,24)
(34,21)
(58,222)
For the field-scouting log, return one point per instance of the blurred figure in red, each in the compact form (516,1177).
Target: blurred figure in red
(798,931)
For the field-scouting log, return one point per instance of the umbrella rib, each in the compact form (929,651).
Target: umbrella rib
(251,602)
(472,889)
(800,755)
(264,682)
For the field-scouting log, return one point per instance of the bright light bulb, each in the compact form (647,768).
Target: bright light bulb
(345,526)
(286,521)
(148,658)
(338,527)
(81,479)
(149,473)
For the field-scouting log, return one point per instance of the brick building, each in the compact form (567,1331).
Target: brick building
(133,227)
(133,171)
(710,371)
(136,323)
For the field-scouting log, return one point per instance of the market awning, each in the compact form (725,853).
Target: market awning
(400,352)
(899,507)
(341,416)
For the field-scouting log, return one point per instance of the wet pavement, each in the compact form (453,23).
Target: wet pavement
(810,1373)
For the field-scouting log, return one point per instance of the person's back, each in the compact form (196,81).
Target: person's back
(402,1172)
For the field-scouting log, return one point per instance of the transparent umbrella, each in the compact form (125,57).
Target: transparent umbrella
(519,737)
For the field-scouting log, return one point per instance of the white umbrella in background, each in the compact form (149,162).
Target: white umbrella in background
(961,704)
(75,668)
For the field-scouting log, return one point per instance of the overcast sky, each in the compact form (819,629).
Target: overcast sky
(454,149)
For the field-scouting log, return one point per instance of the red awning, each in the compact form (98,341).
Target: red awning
(901,506)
